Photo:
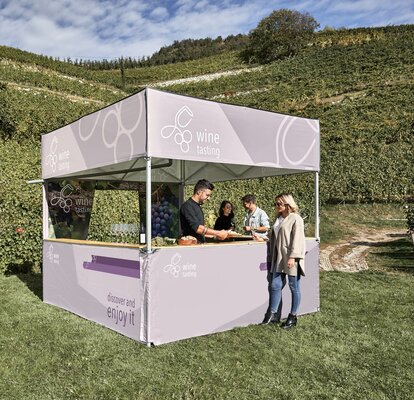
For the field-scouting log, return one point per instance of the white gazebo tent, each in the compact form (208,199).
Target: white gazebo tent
(155,136)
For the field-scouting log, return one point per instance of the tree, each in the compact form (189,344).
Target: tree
(8,119)
(282,34)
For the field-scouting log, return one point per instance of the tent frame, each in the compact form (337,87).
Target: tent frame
(152,157)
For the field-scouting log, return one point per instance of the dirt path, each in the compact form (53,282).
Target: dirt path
(36,89)
(350,256)
(203,78)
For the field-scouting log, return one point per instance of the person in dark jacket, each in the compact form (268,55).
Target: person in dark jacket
(192,216)
(226,215)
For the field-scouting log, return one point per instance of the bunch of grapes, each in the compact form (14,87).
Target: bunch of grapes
(162,217)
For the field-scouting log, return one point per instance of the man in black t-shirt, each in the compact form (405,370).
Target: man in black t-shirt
(192,217)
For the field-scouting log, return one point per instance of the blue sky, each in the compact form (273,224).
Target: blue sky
(96,29)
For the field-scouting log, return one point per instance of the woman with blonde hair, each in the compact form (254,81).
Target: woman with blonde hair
(287,254)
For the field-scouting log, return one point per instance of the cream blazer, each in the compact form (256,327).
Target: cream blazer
(289,243)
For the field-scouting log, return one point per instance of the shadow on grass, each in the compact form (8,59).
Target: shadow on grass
(27,273)
(33,281)
(401,262)
(397,255)
(401,241)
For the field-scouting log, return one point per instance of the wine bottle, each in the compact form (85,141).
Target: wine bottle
(142,234)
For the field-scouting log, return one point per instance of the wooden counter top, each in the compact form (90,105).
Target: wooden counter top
(140,246)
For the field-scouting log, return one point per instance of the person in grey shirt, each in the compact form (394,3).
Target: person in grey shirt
(256,221)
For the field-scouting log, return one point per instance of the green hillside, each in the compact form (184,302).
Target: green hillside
(358,83)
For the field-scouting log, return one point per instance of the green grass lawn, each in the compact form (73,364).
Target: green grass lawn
(359,346)
(397,255)
(347,220)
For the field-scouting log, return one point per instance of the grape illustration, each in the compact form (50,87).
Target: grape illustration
(164,215)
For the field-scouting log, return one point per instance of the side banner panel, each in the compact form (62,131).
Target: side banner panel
(200,130)
(101,284)
(70,207)
(109,136)
(200,290)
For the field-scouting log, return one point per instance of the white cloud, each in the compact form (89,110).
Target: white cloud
(110,29)
(185,5)
(159,13)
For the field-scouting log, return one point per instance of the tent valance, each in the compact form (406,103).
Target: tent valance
(187,139)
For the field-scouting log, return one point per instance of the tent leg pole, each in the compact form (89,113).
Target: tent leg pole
(317,220)
(181,189)
(45,213)
(148,204)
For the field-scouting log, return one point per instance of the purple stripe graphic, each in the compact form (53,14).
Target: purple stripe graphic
(120,262)
(263,266)
(116,266)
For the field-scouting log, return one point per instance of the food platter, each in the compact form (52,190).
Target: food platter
(187,241)
(238,236)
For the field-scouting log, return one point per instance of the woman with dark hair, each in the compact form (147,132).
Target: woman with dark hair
(225,219)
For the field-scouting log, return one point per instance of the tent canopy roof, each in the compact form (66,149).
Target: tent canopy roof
(187,139)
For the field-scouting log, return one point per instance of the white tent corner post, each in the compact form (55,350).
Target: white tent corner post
(35,181)
(148,205)
(317,218)
(45,214)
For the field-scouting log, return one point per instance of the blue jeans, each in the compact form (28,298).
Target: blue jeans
(277,283)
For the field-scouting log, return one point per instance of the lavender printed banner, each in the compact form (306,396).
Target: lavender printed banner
(70,208)
(112,135)
(193,292)
(194,129)
(112,298)
(116,266)
(182,303)
(181,128)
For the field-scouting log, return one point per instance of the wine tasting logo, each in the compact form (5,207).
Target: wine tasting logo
(182,137)
(57,160)
(51,255)
(51,158)
(177,269)
(62,199)
(173,268)
(207,140)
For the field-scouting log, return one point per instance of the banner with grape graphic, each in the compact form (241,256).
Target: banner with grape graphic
(164,210)
(70,206)
(162,125)
(164,205)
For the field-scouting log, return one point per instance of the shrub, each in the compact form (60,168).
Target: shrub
(20,208)
(282,34)
(409,212)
